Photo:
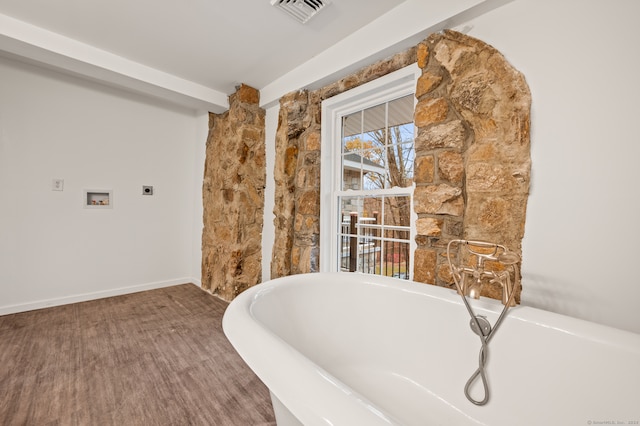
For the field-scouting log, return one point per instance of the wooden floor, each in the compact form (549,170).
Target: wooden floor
(152,358)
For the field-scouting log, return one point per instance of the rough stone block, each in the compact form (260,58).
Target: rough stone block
(251,135)
(451,166)
(295,258)
(429,226)
(501,178)
(431,111)
(426,83)
(312,142)
(290,160)
(451,134)
(448,53)
(422,240)
(474,94)
(453,227)
(424,169)
(309,203)
(496,218)
(304,261)
(422,54)
(482,151)
(246,94)
(485,129)
(424,265)
(301,178)
(444,274)
(439,199)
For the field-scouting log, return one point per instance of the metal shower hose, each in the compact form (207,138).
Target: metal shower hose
(484,349)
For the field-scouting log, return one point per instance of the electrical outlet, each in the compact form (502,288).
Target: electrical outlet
(147,190)
(57,184)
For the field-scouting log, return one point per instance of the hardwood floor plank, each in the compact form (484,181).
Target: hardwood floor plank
(151,358)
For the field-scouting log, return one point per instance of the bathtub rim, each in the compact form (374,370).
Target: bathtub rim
(246,332)
(562,323)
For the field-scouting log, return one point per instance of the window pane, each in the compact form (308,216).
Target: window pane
(400,151)
(351,130)
(396,235)
(397,211)
(377,146)
(374,122)
(374,172)
(407,152)
(375,133)
(351,171)
(352,146)
(377,153)
(401,112)
(350,208)
(349,205)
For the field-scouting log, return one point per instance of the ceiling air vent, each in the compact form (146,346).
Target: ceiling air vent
(300,10)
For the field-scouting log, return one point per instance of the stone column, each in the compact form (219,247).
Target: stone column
(472,151)
(292,121)
(297,169)
(233,196)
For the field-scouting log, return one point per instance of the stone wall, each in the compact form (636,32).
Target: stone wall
(472,166)
(472,151)
(297,179)
(233,196)
(297,169)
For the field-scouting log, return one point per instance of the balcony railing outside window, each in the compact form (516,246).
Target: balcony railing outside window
(368,246)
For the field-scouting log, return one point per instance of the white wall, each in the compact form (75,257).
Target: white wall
(268,227)
(52,250)
(197,169)
(582,229)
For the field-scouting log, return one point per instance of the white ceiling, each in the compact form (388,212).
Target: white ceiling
(197,48)
(215,43)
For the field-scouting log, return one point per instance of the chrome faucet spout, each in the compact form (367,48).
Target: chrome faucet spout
(471,279)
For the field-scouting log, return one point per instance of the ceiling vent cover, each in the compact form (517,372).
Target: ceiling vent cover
(300,10)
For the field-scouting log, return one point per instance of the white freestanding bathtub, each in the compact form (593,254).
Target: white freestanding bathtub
(358,350)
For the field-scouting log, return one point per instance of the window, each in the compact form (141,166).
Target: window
(367,177)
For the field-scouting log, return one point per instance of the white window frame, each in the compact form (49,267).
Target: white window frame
(391,86)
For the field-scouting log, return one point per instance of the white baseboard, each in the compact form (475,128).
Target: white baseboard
(47,303)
